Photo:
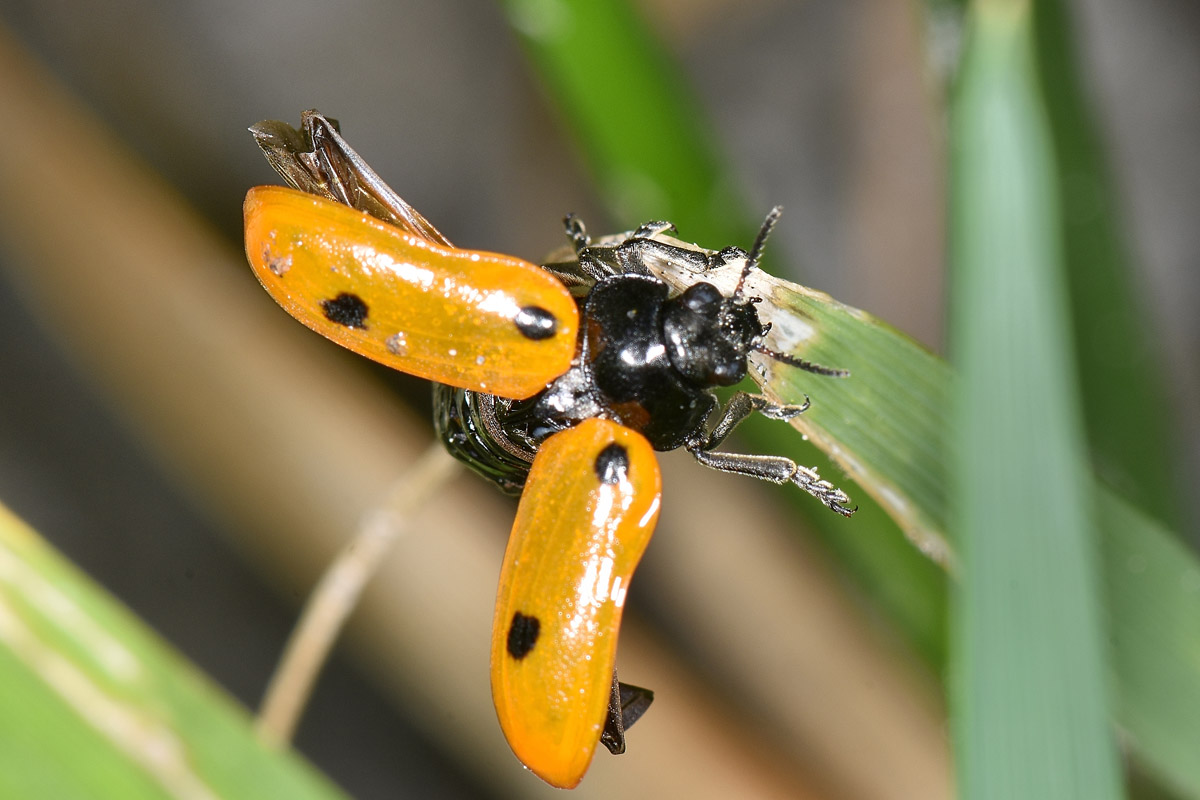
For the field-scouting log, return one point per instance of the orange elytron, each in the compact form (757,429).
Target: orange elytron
(554,637)
(484,321)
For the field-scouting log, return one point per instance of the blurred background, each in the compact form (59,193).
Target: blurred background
(833,109)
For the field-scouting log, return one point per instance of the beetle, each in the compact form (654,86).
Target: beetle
(556,382)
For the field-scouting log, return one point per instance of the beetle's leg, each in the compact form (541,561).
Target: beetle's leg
(588,259)
(576,233)
(648,230)
(626,705)
(569,273)
(594,262)
(776,469)
(740,406)
(491,423)
(595,268)
(636,254)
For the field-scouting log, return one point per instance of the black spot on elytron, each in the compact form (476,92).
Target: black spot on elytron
(612,465)
(346,309)
(535,322)
(522,635)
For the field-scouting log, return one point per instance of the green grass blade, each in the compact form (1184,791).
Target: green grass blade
(884,427)
(1124,397)
(1028,685)
(1152,583)
(627,104)
(880,424)
(94,706)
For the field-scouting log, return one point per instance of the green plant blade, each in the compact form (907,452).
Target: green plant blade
(627,104)
(95,706)
(1121,378)
(878,424)
(1152,584)
(1028,694)
(882,427)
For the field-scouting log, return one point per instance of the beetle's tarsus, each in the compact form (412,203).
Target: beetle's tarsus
(576,233)
(776,469)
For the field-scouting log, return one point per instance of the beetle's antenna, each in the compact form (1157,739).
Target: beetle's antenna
(756,251)
(800,363)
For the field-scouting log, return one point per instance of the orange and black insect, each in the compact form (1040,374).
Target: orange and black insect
(556,382)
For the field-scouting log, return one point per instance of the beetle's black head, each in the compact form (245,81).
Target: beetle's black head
(709,335)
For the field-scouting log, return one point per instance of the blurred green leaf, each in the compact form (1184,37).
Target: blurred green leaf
(1152,586)
(95,706)
(1028,695)
(1120,371)
(628,106)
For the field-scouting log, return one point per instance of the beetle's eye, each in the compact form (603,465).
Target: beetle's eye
(701,298)
(728,372)
(708,335)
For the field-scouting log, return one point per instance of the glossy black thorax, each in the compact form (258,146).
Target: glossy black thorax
(643,358)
